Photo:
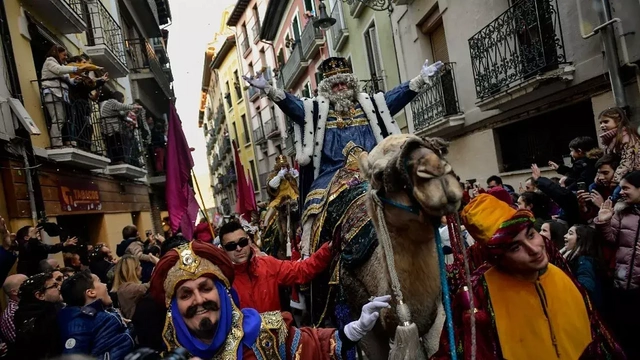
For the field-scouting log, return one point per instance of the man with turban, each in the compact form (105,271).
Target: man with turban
(339,116)
(524,307)
(194,282)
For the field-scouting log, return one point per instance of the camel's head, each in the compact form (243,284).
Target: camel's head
(412,172)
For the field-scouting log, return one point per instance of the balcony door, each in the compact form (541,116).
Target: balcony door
(41,42)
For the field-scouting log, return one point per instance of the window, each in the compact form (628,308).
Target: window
(373,58)
(310,6)
(245,129)
(227,94)
(281,58)
(319,77)
(235,134)
(254,178)
(250,70)
(529,141)
(263,59)
(306,90)
(439,44)
(295,28)
(236,78)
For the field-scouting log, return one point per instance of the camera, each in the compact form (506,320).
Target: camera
(148,354)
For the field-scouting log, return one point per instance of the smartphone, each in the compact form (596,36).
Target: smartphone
(582,186)
(148,233)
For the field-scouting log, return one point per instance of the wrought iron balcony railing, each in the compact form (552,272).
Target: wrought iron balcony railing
(308,39)
(292,65)
(255,30)
(142,57)
(258,135)
(522,42)
(105,31)
(373,86)
(271,128)
(339,30)
(436,101)
(244,45)
(253,92)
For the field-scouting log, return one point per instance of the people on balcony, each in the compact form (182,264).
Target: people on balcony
(86,89)
(158,143)
(116,117)
(54,84)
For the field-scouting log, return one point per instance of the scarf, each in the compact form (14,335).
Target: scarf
(250,327)
(608,137)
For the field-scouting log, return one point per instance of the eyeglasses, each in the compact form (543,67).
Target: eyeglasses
(54,286)
(234,245)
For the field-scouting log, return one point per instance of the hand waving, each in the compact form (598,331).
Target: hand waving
(535,172)
(606,211)
(430,70)
(553,165)
(257,81)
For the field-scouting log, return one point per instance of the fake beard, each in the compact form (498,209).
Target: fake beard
(344,100)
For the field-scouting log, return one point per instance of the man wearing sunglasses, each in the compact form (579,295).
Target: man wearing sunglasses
(257,278)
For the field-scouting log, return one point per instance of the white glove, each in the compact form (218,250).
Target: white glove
(356,330)
(258,81)
(430,70)
(275,182)
(282,173)
(294,173)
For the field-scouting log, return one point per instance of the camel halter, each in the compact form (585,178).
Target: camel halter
(402,309)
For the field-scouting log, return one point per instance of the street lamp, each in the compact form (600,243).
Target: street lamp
(323,21)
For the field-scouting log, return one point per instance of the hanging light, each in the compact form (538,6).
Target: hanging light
(323,21)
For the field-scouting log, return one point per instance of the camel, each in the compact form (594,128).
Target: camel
(417,186)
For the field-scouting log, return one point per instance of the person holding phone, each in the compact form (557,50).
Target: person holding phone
(32,250)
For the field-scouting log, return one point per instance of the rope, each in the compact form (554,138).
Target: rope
(385,241)
(445,295)
(467,278)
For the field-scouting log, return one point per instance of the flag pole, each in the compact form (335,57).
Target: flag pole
(204,207)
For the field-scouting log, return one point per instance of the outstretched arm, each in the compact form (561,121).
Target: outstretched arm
(398,97)
(289,104)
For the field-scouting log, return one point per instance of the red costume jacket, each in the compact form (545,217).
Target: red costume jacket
(257,281)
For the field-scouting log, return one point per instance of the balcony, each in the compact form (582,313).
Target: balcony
(294,67)
(271,129)
(160,48)
(289,142)
(312,39)
(255,30)
(105,41)
(339,31)
(356,8)
(436,109)
(258,136)
(373,86)
(64,15)
(216,162)
(147,11)
(145,66)
(253,92)
(226,147)
(217,189)
(521,43)
(244,46)
(124,148)
(75,129)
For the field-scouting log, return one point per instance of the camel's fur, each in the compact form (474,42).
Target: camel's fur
(412,236)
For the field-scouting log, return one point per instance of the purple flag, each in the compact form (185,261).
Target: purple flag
(181,200)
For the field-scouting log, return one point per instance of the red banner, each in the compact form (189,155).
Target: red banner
(79,195)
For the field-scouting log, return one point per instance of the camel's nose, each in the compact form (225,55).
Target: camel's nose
(433,165)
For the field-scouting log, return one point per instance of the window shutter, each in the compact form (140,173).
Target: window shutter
(439,45)
(375,50)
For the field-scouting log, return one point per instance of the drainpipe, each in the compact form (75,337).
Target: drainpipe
(608,37)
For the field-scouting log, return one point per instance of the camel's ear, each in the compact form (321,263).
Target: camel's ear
(363,163)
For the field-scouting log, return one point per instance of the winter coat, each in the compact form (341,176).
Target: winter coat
(566,199)
(7,259)
(583,170)
(585,270)
(148,320)
(623,231)
(128,296)
(203,233)
(32,252)
(37,335)
(257,280)
(132,246)
(95,331)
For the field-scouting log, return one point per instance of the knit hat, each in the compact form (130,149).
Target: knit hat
(493,223)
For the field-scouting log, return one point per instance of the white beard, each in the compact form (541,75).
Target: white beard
(342,101)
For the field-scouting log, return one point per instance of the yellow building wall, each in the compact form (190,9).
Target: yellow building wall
(109,231)
(143,222)
(234,114)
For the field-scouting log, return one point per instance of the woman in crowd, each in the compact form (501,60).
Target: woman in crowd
(554,230)
(127,285)
(584,254)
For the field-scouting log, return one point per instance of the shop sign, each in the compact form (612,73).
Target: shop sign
(79,195)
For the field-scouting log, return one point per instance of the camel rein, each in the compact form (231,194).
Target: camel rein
(403,311)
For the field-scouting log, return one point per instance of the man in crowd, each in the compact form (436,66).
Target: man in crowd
(133,245)
(37,335)
(49,265)
(496,181)
(10,287)
(525,307)
(194,282)
(257,278)
(88,325)
(101,261)
(33,250)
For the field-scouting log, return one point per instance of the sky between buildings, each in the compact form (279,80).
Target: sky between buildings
(194,24)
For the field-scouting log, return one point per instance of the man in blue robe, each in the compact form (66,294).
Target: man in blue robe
(339,117)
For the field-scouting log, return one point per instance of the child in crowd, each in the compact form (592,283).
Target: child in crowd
(583,253)
(584,154)
(620,138)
